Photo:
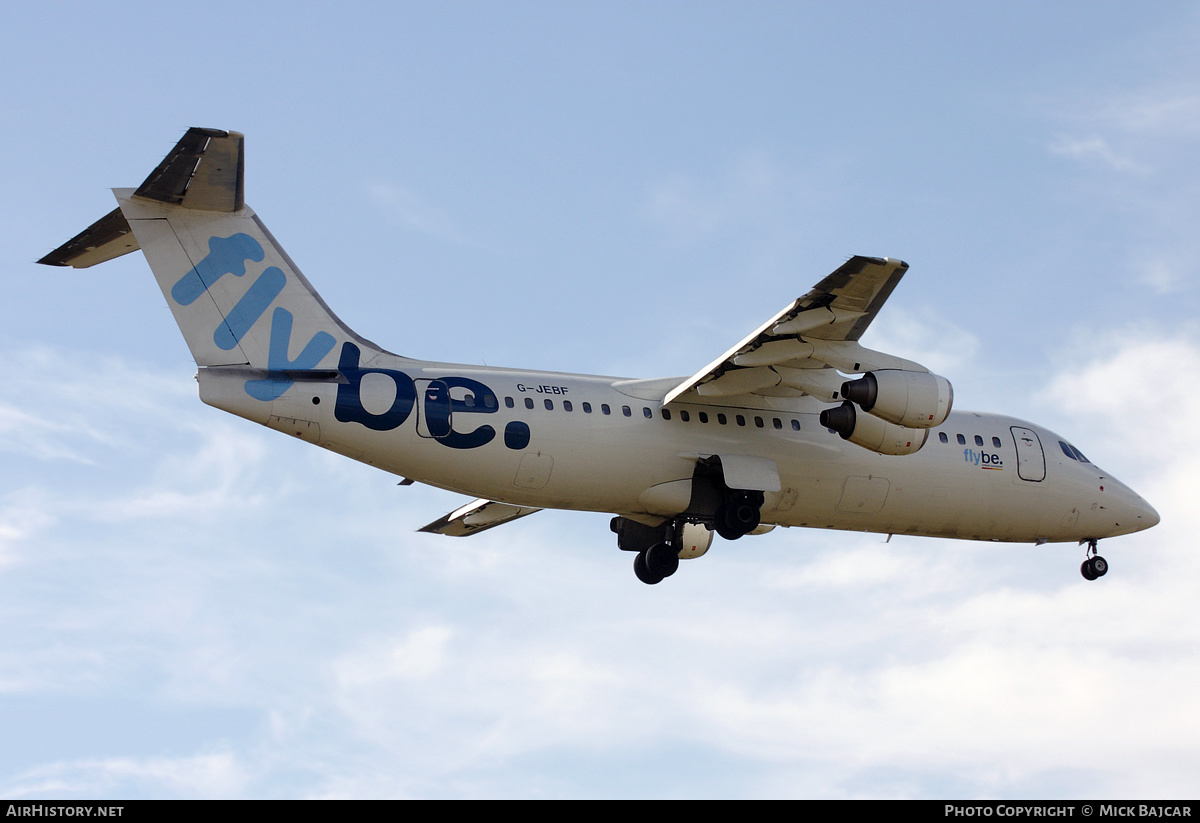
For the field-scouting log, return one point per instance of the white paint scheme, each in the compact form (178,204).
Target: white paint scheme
(638,464)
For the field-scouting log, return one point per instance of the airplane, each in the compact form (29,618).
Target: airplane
(797,424)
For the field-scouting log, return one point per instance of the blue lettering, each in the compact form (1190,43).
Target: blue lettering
(439,406)
(484,402)
(226,255)
(276,382)
(252,306)
(349,408)
(516,435)
(975,458)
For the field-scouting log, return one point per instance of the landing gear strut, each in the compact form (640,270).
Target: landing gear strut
(1095,565)
(660,548)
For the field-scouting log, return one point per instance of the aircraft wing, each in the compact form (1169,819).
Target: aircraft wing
(798,350)
(477,516)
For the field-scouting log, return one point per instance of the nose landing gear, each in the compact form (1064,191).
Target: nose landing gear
(1095,565)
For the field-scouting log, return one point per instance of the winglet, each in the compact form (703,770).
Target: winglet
(106,239)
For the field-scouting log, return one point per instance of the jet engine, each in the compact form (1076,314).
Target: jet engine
(913,399)
(871,432)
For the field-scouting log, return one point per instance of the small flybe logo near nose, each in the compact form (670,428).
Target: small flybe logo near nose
(984,460)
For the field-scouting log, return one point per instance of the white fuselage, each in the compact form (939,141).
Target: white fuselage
(797,424)
(568,441)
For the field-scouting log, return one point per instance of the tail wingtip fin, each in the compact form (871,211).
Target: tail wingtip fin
(205,171)
(106,239)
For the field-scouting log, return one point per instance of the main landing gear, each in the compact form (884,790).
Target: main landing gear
(656,563)
(660,548)
(1095,565)
(738,515)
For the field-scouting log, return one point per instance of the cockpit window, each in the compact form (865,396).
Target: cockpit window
(1072,452)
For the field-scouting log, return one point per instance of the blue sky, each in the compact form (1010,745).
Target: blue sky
(192,606)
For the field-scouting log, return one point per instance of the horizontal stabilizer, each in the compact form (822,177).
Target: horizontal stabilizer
(205,171)
(477,516)
(107,238)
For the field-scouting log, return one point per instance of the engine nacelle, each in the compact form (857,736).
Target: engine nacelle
(871,432)
(913,399)
(693,539)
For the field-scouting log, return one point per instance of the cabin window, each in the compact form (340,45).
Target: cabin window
(741,421)
(567,406)
(795,424)
(587,407)
(646,413)
(684,416)
(777,423)
(942,436)
(628,412)
(962,441)
(666,413)
(978,440)
(703,417)
(758,421)
(549,404)
(469,399)
(489,401)
(721,418)
(995,442)
(529,402)
(604,409)
(508,402)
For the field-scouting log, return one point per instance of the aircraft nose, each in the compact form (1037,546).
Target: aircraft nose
(1138,515)
(1146,515)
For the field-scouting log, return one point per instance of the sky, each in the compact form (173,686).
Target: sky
(192,606)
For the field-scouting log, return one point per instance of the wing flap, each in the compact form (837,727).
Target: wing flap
(477,516)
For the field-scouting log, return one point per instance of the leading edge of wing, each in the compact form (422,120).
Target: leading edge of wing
(806,335)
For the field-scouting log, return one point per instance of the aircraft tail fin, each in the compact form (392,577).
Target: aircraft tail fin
(237,297)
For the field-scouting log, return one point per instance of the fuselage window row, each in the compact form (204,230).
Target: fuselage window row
(962,440)
(684,415)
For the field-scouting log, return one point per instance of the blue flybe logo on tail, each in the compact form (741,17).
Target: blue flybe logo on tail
(228,255)
(438,405)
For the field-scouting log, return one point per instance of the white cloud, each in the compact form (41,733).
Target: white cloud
(381,664)
(749,194)
(1094,150)
(926,337)
(410,210)
(1165,276)
(206,776)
